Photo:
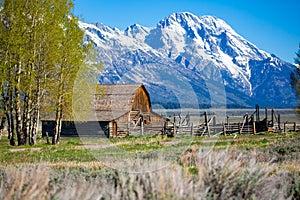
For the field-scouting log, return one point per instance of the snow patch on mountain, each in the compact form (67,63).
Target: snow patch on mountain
(204,52)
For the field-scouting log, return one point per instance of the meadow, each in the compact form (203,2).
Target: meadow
(263,166)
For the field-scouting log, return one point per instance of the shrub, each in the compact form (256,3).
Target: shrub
(200,174)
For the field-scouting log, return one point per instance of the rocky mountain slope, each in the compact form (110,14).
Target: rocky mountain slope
(192,61)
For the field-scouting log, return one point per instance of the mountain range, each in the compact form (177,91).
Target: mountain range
(192,61)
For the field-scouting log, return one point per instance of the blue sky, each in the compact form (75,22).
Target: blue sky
(273,26)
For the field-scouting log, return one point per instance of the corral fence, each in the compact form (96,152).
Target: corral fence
(249,124)
(291,127)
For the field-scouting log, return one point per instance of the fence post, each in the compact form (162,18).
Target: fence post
(214,120)
(47,137)
(239,126)
(224,129)
(208,130)
(165,126)
(284,127)
(188,119)
(179,123)
(272,117)
(267,123)
(142,124)
(174,129)
(279,121)
(174,118)
(192,129)
(206,123)
(294,126)
(128,123)
(257,112)
(254,128)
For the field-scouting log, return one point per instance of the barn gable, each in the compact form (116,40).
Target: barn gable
(113,101)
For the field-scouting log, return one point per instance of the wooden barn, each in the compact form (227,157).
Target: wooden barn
(120,110)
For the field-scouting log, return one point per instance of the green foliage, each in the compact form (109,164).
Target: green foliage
(294,186)
(41,52)
(85,84)
(193,170)
(285,149)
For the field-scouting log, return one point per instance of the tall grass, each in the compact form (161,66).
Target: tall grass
(70,172)
(198,174)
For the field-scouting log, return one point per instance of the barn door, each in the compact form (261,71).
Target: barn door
(114,128)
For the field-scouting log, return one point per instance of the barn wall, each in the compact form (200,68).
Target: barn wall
(141,100)
(69,129)
(119,126)
(48,127)
(156,120)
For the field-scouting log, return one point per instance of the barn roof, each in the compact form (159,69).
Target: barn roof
(112,101)
(109,102)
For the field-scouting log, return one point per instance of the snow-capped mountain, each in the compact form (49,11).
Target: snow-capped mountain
(191,60)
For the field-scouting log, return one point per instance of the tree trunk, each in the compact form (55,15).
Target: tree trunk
(18,111)
(60,124)
(5,114)
(36,112)
(27,117)
(59,104)
(34,127)
(35,120)
(8,126)
(57,125)
(11,129)
(57,119)
(3,120)
(20,134)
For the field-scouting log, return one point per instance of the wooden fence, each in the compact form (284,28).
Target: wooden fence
(291,127)
(202,130)
(250,124)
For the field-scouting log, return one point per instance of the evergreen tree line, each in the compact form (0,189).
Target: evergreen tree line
(295,79)
(41,50)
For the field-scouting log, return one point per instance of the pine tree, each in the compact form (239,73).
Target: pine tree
(295,79)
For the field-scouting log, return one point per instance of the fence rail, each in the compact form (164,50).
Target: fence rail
(250,124)
(200,130)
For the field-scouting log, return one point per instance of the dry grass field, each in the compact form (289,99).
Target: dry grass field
(264,166)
